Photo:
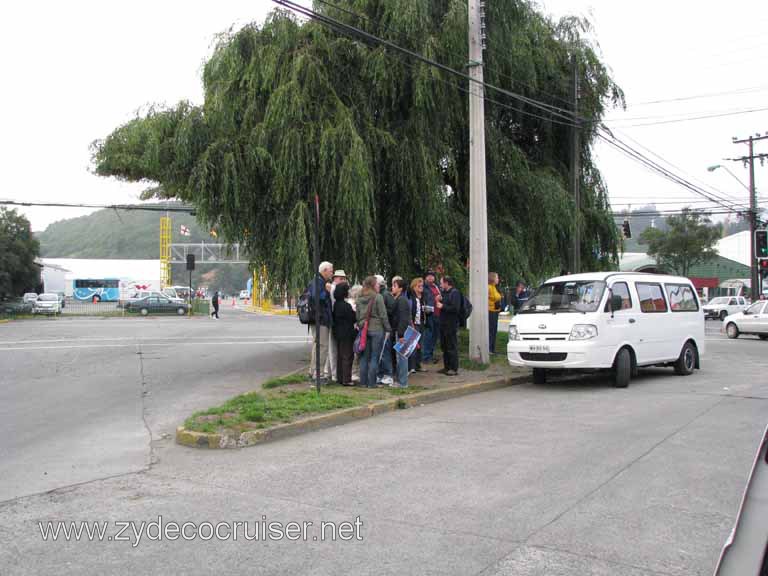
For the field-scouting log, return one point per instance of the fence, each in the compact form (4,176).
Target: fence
(69,307)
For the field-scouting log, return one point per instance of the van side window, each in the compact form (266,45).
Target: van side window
(620,289)
(681,298)
(651,297)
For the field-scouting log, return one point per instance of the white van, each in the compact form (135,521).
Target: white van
(609,320)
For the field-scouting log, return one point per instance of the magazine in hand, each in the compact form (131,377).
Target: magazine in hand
(410,341)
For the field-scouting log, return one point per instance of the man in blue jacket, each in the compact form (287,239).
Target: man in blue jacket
(321,284)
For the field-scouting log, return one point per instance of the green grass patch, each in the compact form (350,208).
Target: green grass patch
(297,378)
(502,337)
(256,410)
(280,404)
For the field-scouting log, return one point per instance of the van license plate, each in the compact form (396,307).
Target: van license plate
(539,349)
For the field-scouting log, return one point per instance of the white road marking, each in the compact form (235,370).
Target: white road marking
(156,345)
(141,339)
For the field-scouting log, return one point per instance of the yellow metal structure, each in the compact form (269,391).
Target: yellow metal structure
(165,252)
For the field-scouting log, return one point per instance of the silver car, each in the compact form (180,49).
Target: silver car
(753,320)
(47,304)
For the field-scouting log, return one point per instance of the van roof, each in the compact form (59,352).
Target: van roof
(604,276)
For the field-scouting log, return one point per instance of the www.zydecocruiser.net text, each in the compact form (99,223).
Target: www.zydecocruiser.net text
(160,530)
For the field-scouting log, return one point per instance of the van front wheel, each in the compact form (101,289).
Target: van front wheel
(539,376)
(686,362)
(622,369)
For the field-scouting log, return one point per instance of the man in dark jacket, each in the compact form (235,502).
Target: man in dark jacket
(215,304)
(386,367)
(449,326)
(321,284)
(402,319)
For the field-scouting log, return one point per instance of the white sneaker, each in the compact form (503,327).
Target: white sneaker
(387,380)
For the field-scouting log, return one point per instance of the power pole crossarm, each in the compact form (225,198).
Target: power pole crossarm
(478,211)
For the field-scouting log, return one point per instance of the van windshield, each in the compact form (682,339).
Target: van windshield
(574,296)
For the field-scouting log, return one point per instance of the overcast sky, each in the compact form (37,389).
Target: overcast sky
(72,72)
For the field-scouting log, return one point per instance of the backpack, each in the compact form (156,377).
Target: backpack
(306,307)
(465,309)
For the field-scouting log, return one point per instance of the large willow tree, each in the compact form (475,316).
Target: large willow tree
(293,110)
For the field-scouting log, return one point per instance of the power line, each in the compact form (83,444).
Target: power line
(700,96)
(147,208)
(448,52)
(354,31)
(690,119)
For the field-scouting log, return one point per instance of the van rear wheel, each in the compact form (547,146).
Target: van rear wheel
(539,376)
(686,362)
(622,369)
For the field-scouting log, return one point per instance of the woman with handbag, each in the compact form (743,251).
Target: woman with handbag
(373,322)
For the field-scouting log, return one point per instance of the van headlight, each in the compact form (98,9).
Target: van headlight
(513,334)
(583,332)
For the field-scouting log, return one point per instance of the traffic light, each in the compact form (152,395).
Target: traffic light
(761,243)
(762,265)
(626,230)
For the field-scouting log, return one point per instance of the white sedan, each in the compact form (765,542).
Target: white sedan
(754,320)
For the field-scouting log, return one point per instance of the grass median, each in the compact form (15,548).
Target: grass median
(283,400)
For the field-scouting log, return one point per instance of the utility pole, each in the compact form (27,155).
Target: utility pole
(576,167)
(755,288)
(478,209)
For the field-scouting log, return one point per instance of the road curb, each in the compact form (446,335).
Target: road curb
(338,417)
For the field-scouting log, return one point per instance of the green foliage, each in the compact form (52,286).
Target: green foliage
(18,250)
(293,111)
(689,240)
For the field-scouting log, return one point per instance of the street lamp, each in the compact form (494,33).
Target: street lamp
(716,166)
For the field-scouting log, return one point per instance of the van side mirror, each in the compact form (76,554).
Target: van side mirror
(616,302)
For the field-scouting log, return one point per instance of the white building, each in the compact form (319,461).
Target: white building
(54,277)
(133,274)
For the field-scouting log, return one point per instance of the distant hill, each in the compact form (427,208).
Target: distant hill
(136,234)
(111,234)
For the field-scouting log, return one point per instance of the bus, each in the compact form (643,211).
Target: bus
(96,289)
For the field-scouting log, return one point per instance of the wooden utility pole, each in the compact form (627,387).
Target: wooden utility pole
(478,210)
(576,168)
(750,160)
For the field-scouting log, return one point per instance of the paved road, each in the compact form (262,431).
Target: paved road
(571,478)
(82,399)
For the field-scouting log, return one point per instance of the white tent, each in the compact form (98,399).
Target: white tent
(735,247)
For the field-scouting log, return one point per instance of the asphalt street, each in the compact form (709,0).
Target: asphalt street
(84,398)
(570,478)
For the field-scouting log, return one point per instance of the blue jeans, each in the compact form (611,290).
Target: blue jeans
(431,338)
(386,360)
(369,359)
(402,370)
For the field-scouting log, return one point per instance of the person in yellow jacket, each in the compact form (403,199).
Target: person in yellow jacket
(494,307)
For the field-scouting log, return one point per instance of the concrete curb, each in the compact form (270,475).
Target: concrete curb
(337,417)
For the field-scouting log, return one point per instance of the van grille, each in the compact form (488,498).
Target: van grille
(550,357)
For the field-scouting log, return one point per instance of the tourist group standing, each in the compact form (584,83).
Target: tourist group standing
(360,327)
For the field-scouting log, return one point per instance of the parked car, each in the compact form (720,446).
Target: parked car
(135,296)
(15,307)
(244,295)
(156,305)
(62,299)
(30,297)
(609,321)
(723,306)
(47,304)
(753,320)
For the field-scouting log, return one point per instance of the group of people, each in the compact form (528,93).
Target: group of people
(388,311)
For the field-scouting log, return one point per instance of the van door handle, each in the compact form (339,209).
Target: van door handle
(632,320)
